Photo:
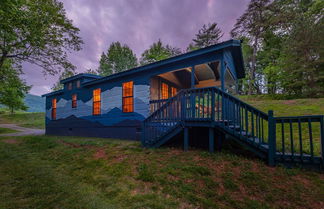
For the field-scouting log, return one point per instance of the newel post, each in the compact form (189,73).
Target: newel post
(271,138)
(322,139)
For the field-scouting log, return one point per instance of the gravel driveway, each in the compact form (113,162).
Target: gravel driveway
(22,130)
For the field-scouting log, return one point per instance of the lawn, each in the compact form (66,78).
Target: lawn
(295,107)
(71,172)
(7,130)
(25,119)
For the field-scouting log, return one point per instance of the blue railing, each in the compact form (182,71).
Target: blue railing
(241,120)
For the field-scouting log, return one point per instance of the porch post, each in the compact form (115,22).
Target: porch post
(211,140)
(222,73)
(192,77)
(186,139)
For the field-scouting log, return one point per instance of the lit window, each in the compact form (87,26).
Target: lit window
(78,84)
(54,109)
(165,91)
(96,102)
(69,86)
(128,99)
(74,101)
(173,91)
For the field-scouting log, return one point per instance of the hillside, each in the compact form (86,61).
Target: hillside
(35,103)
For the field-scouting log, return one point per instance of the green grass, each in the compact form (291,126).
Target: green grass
(25,119)
(295,107)
(71,172)
(7,130)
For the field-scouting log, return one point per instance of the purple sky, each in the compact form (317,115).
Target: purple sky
(137,23)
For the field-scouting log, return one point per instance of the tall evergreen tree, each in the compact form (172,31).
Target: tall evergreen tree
(208,35)
(158,51)
(117,59)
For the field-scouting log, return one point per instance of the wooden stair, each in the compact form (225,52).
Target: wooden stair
(271,138)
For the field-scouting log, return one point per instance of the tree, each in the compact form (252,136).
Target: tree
(12,88)
(157,52)
(302,57)
(90,71)
(117,59)
(252,25)
(65,74)
(208,35)
(38,32)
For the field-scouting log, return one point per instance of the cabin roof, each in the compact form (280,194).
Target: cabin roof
(53,93)
(233,45)
(80,75)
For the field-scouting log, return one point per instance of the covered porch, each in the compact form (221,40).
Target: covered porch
(211,74)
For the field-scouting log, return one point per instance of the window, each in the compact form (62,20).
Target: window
(54,109)
(69,86)
(96,102)
(165,91)
(74,101)
(173,91)
(128,99)
(78,84)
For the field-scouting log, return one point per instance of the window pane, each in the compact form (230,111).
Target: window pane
(96,95)
(173,91)
(165,91)
(74,101)
(128,99)
(128,89)
(96,108)
(96,101)
(54,103)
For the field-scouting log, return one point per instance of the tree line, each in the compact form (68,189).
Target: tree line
(282,47)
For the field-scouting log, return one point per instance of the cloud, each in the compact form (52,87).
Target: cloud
(137,23)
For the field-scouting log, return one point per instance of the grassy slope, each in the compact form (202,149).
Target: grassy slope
(67,172)
(29,120)
(287,107)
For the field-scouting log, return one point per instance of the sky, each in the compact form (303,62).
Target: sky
(137,23)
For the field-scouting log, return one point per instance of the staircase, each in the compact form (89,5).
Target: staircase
(285,140)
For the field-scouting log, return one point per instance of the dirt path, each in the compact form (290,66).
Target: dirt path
(22,130)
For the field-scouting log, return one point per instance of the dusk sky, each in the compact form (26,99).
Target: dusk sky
(137,23)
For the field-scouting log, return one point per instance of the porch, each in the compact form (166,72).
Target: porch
(212,74)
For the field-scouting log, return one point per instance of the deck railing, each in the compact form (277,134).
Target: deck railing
(296,138)
(156,104)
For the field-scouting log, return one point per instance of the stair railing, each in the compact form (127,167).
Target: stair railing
(273,135)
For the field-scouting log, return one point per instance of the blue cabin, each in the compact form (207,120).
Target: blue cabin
(186,100)
(115,106)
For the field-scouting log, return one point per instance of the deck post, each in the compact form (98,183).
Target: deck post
(322,139)
(192,77)
(186,139)
(271,138)
(211,140)
(222,74)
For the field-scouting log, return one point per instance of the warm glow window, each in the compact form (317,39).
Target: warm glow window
(165,91)
(173,91)
(74,101)
(96,102)
(53,109)
(128,99)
